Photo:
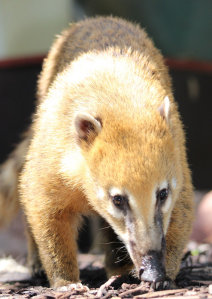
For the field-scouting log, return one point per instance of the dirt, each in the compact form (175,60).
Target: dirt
(193,281)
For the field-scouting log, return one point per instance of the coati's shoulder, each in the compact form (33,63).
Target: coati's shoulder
(97,34)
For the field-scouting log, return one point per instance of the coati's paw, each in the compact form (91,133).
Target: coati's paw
(167,284)
(73,287)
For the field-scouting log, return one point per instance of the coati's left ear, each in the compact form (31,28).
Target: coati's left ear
(87,127)
(164,108)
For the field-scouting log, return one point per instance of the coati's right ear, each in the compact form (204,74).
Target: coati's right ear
(87,127)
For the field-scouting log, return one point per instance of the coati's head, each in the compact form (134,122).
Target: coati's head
(132,183)
(132,175)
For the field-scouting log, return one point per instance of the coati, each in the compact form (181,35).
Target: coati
(106,137)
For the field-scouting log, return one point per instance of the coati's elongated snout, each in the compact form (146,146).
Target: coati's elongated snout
(147,246)
(153,263)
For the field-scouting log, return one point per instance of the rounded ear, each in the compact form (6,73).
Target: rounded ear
(87,127)
(164,108)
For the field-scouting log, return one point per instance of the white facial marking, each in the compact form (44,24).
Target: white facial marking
(100,193)
(132,202)
(167,204)
(154,198)
(113,211)
(163,185)
(174,183)
(115,191)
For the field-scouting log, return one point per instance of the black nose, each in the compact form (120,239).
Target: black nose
(152,268)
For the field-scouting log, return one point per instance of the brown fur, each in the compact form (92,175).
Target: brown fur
(9,172)
(108,69)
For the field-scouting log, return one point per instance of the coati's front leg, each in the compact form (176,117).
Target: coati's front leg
(178,233)
(55,236)
(33,259)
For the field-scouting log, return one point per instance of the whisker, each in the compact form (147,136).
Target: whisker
(120,259)
(106,227)
(108,243)
(120,248)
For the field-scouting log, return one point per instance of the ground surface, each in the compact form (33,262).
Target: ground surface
(194,281)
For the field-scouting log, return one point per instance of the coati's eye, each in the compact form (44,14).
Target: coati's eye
(120,201)
(162,195)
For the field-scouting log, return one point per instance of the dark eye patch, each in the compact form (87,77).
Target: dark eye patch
(120,201)
(162,195)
